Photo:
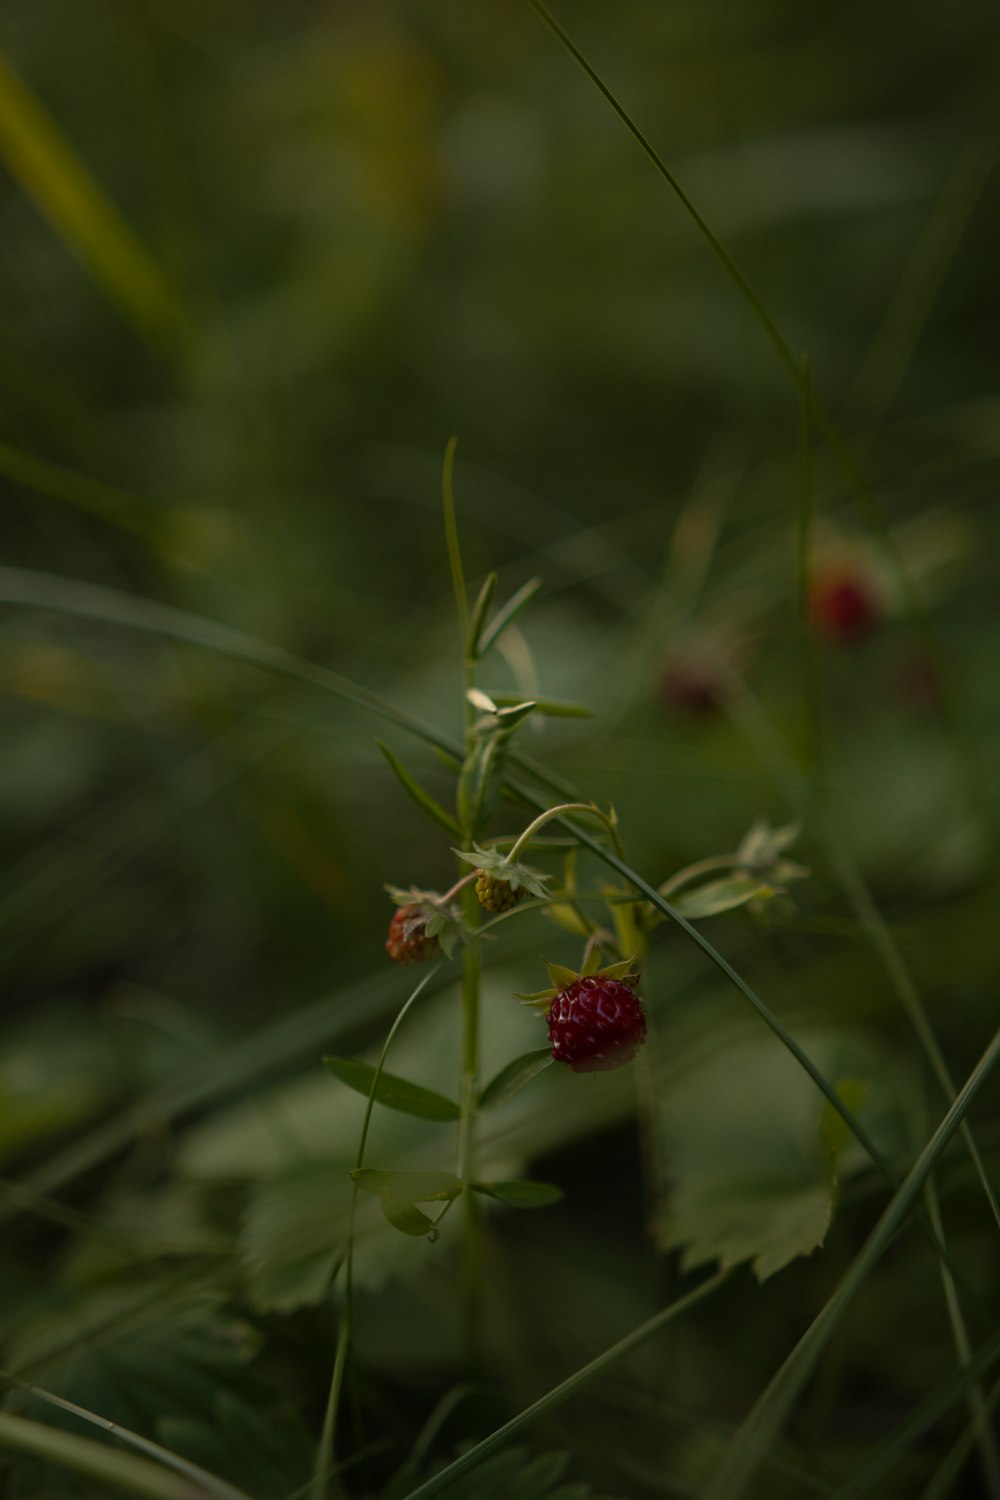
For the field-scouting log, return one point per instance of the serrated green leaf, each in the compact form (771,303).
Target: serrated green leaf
(414,1187)
(746,1175)
(393,1092)
(718,896)
(511,1079)
(561,977)
(424,800)
(520,1194)
(504,616)
(404,1215)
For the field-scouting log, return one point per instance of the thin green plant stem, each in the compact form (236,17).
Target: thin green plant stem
(761,313)
(22,586)
(451,539)
(550,813)
(566,1388)
(942,1482)
(211,1484)
(707,866)
(325,1464)
(764,1422)
(467,1147)
(988,1456)
(120,1472)
(812,704)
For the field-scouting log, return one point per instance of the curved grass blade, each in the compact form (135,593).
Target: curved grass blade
(41,159)
(94,602)
(392,1091)
(209,1483)
(121,1472)
(565,1389)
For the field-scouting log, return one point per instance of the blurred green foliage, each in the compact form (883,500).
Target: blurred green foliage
(257,263)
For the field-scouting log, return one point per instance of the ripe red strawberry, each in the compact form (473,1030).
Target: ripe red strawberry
(596,1024)
(495,894)
(844,606)
(408,942)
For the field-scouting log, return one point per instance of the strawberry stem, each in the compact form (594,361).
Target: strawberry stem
(557,812)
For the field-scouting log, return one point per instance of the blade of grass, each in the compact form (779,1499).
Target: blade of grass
(119,507)
(54,177)
(943,1481)
(210,1483)
(118,1471)
(566,1389)
(769,1412)
(326,1464)
(451,539)
(986,1439)
(23,587)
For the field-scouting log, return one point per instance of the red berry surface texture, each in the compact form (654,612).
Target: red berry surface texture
(408,942)
(596,1024)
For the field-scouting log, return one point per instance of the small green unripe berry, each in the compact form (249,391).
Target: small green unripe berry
(494,894)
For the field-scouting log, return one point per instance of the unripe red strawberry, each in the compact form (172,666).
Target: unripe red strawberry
(596,1024)
(843,605)
(408,942)
(495,894)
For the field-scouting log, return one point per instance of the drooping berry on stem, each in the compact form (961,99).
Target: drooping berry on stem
(596,1024)
(408,942)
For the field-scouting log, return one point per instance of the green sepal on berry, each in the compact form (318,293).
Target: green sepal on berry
(563,978)
(429,924)
(501,882)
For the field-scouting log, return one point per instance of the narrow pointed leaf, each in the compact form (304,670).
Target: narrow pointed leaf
(511,1079)
(479,611)
(509,718)
(561,977)
(718,896)
(520,1194)
(553,708)
(392,1091)
(504,616)
(414,1187)
(423,799)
